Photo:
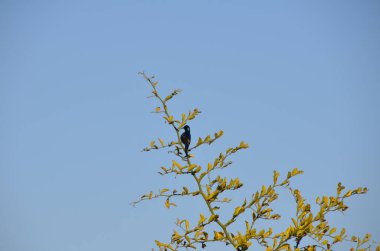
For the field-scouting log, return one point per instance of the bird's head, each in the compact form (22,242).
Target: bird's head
(186,128)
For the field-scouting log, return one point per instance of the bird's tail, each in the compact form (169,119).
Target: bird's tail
(186,150)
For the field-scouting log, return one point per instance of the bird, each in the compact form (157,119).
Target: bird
(186,138)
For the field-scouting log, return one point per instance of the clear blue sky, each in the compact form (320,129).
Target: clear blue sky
(298,80)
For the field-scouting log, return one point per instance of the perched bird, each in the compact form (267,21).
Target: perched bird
(186,138)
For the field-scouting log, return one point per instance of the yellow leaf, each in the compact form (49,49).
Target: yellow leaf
(164,190)
(159,244)
(294,171)
(213,217)
(161,142)
(263,189)
(348,193)
(185,190)
(183,117)
(209,167)
(202,175)
(187,238)
(167,203)
(218,235)
(176,236)
(169,119)
(175,163)
(294,222)
(182,124)
(193,114)
(247,227)
(243,145)
(200,141)
(158,109)
(270,231)
(337,238)
(151,144)
(261,233)
(275,176)
(172,143)
(325,200)
(191,167)
(198,169)
(238,210)
(332,231)
(342,232)
(226,200)
(168,97)
(187,225)
(203,218)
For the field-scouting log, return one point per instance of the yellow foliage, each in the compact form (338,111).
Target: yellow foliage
(243,145)
(152,143)
(164,190)
(175,163)
(304,224)
(218,235)
(202,219)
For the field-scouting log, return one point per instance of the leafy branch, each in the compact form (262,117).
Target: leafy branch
(210,228)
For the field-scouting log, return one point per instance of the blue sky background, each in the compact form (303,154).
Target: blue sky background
(297,80)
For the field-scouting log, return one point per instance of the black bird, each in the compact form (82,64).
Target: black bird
(186,138)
